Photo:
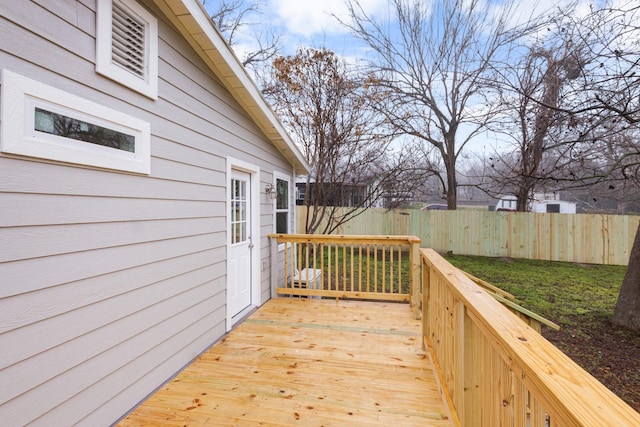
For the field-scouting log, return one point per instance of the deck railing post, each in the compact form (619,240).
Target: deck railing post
(426,277)
(458,364)
(414,271)
(273,256)
(471,411)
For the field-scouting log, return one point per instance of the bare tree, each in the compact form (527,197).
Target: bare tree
(430,62)
(610,103)
(602,108)
(531,93)
(552,108)
(327,107)
(232,17)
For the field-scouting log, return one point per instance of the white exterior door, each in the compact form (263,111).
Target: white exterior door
(240,265)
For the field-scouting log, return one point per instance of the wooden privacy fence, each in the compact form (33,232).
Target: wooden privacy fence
(361,267)
(494,370)
(586,238)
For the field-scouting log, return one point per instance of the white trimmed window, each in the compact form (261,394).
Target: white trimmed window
(41,121)
(127,45)
(283,206)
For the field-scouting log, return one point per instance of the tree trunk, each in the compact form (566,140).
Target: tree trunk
(522,198)
(452,179)
(627,311)
(452,197)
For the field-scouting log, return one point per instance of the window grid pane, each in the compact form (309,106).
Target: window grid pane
(282,192)
(238,211)
(283,220)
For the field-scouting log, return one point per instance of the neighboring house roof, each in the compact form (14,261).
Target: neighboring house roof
(195,25)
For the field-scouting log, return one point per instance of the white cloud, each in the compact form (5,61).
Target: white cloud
(314,17)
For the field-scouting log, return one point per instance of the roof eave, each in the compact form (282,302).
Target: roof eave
(195,25)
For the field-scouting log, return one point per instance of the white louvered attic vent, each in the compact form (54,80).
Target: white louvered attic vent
(127,45)
(128,42)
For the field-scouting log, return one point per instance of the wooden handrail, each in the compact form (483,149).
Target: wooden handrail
(496,370)
(339,266)
(333,238)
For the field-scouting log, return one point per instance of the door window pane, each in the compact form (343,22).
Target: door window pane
(239,215)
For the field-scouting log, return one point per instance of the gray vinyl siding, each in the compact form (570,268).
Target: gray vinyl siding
(111,282)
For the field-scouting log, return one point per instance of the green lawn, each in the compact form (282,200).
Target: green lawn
(561,291)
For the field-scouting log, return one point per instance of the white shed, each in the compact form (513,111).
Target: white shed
(553,206)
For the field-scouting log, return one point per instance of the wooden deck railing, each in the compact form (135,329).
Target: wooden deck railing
(494,370)
(362,267)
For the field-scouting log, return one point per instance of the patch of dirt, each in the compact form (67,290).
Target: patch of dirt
(609,353)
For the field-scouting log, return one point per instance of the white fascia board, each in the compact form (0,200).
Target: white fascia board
(199,27)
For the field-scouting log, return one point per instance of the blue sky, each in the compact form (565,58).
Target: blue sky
(304,23)
(310,22)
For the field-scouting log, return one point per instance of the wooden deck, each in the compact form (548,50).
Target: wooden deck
(304,362)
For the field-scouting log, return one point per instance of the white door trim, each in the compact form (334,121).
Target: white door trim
(254,171)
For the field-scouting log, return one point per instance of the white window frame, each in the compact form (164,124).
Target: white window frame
(21,96)
(283,177)
(301,193)
(147,85)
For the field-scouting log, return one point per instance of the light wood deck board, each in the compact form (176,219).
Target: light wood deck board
(302,362)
